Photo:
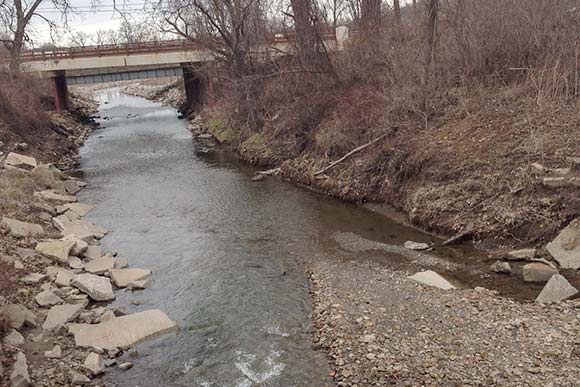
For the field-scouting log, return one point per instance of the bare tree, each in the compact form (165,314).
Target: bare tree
(16,16)
(370,14)
(79,39)
(397,8)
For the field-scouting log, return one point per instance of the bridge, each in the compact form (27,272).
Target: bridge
(105,63)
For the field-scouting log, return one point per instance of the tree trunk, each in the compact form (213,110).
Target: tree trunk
(305,33)
(430,41)
(397,7)
(370,14)
(415,8)
(16,48)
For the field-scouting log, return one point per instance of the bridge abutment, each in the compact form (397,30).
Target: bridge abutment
(59,90)
(198,88)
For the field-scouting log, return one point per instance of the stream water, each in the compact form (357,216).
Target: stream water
(228,255)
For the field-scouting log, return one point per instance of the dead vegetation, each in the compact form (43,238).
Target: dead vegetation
(463,115)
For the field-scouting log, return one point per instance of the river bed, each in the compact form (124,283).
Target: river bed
(228,254)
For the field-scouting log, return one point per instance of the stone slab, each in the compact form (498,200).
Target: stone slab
(430,278)
(124,331)
(565,248)
(22,229)
(556,290)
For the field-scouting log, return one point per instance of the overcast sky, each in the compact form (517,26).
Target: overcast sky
(86,19)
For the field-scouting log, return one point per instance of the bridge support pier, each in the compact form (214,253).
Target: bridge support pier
(59,90)
(198,88)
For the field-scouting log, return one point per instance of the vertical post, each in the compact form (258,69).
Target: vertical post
(341,33)
(60,91)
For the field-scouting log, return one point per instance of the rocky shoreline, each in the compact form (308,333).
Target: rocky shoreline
(57,281)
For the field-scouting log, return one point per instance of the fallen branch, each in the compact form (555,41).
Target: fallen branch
(352,152)
(270,172)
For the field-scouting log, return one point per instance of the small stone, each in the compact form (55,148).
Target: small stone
(140,284)
(32,279)
(125,366)
(18,265)
(19,376)
(94,363)
(14,339)
(64,278)
(47,298)
(501,267)
(51,195)
(55,353)
(75,262)
(410,245)
(78,379)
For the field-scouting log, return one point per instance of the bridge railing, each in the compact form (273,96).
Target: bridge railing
(141,48)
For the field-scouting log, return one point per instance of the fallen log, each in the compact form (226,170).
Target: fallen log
(352,152)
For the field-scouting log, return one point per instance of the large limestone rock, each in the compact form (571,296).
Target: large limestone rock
(19,376)
(430,278)
(82,230)
(22,229)
(16,160)
(62,314)
(101,265)
(557,289)
(124,277)
(81,209)
(538,272)
(47,298)
(57,249)
(566,247)
(98,288)
(51,195)
(124,331)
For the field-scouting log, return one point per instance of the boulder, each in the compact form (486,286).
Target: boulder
(59,315)
(100,265)
(55,353)
(430,278)
(566,247)
(93,252)
(57,249)
(17,315)
(47,298)
(124,331)
(32,278)
(54,196)
(80,209)
(14,339)
(16,160)
(98,288)
(79,247)
(410,245)
(501,267)
(123,277)
(19,376)
(82,230)
(22,229)
(94,363)
(538,272)
(556,290)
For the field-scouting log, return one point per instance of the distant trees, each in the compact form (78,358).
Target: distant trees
(16,15)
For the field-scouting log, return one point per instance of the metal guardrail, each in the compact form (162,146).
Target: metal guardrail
(139,48)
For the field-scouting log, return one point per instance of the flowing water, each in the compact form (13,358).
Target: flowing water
(228,255)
